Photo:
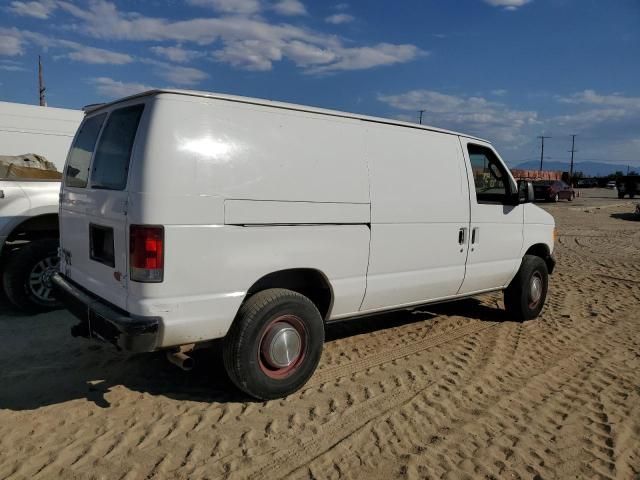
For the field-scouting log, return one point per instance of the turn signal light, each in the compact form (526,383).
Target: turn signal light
(146,253)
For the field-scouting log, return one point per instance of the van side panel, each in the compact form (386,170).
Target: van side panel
(237,151)
(208,270)
(419,203)
(227,181)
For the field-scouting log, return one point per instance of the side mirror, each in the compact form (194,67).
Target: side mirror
(525,191)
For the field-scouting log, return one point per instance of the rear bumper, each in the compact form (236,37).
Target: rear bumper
(105,322)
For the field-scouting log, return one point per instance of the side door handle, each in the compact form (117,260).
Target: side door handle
(462,235)
(475,235)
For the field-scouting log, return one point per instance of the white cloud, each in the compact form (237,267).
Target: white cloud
(229,6)
(475,115)
(176,54)
(97,56)
(110,88)
(11,43)
(339,18)
(38,9)
(250,43)
(508,4)
(360,58)
(591,97)
(12,68)
(78,51)
(176,74)
(499,92)
(289,7)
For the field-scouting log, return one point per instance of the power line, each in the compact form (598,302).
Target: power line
(542,137)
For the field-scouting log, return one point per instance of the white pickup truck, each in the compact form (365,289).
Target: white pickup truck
(34,142)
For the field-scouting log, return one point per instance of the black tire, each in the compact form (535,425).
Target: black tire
(243,350)
(38,257)
(571,197)
(555,198)
(620,195)
(632,195)
(519,299)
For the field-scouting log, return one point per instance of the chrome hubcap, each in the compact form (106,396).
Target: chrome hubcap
(282,345)
(535,292)
(40,278)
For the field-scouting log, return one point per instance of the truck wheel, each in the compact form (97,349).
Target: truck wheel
(274,344)
(525,295)
(27,273)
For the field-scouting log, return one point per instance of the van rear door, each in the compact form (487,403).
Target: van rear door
(94,200)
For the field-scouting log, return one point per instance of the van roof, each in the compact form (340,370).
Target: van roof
(274,104)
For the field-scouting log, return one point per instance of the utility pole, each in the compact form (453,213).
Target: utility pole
(542,137)
(573,150)
(421,112)
(42,88)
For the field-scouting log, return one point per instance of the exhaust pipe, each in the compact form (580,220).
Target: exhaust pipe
(181,360)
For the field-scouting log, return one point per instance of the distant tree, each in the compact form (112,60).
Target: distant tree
(633,172)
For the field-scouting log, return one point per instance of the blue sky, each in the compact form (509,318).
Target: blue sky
(506,70)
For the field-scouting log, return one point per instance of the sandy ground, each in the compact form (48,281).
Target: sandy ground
(449,391)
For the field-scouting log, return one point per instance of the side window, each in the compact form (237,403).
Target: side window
(490,178)
(77,171)
(111,163)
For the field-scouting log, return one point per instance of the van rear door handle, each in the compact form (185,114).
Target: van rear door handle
(462,235)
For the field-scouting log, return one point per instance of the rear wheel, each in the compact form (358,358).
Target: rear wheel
(526,294)
(555,198)
(620,195)
(27,276)
(274,344)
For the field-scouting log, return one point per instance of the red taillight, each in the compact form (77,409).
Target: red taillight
(146,253)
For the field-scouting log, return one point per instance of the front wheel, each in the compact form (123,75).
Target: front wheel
(527,292)
(274,344)
(27,276)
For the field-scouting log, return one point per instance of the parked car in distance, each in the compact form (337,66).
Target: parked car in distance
(611,185)
(628,185)
(587,183)
(553,190)
(191,216)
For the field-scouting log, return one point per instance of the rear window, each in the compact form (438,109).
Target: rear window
(77,171)
(111,162)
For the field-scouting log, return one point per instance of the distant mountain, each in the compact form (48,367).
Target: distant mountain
(589,169)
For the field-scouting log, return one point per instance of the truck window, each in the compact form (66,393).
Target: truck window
(77,171)
(489,175)
(111,163)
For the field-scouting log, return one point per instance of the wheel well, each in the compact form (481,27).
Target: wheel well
(36,227)
(309,282)
(541,250)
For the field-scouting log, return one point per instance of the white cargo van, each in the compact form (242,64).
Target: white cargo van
(189,216)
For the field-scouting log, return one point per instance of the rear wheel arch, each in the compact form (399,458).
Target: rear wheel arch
(40,226)
(310,282)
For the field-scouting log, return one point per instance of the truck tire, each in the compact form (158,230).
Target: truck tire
(26,276)
(274,344)
(526,294)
